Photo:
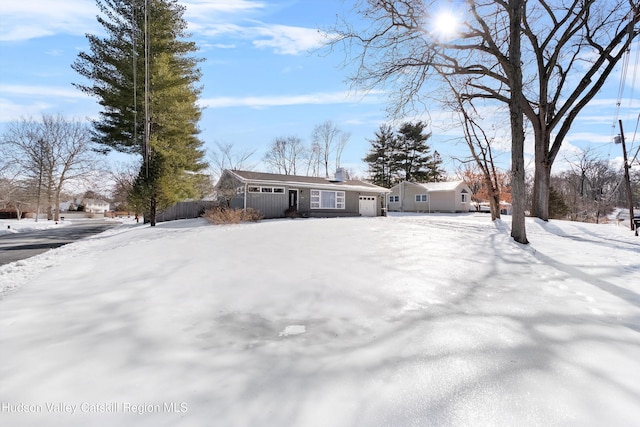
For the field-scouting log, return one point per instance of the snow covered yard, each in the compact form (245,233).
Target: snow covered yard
(8,226)
(399,321)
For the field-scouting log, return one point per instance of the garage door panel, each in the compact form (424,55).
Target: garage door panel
(367,205)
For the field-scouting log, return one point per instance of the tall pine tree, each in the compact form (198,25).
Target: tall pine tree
(413,156)
(402,155)
(147,36)
(381,169)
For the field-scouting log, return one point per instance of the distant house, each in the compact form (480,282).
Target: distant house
(453,196)
(95,206)
(276,195)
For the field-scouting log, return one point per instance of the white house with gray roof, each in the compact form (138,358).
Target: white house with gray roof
(275,195)
(451,196)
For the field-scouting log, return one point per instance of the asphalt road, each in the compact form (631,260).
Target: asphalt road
(17,246)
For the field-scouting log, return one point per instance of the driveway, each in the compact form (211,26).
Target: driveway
(14,247)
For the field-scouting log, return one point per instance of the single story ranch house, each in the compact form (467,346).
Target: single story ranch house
(276,195)
(453,196)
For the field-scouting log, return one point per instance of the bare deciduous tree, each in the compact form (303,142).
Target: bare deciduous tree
(285,155)
(123,176)
(587,187)
(313,159)
(331,141)
(50,152)
(226,156)
(545,59)
(479,144)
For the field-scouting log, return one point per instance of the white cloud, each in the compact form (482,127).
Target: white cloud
(279,101)
(215,30)
(43,91)
(32,101)
(283,39)
(11,111)
(23,20)
(286,40)
(200,8)
(590,137)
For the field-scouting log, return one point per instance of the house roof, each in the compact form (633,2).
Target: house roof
(263,178)
(434,187)
(94,202)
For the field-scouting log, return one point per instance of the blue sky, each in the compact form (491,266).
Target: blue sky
(260,79)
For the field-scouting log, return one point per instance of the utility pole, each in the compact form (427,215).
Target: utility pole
(147,118)
(620,139)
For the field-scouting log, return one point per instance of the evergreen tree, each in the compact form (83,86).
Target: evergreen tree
(402,155)
(147,36)
(383,147)
(558,208)
(413,157)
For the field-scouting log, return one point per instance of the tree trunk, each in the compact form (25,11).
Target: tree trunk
(152,211)
(49,204)
(494,202)
(518,226)
(541,183)
(494,196)
(542,175)
(56,210)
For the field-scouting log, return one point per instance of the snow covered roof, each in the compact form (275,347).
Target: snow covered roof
(433,187)
(94,202)
(264,178)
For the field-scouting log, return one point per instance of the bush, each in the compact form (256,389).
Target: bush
(558,208)
(291,213)
(231,216)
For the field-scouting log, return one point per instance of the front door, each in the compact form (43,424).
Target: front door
(293,199)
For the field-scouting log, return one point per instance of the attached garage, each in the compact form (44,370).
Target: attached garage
(368,206)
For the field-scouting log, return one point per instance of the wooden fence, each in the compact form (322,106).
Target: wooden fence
(185,210)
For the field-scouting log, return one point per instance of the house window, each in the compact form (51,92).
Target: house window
(464,198)
(268,190)
(422,198)
(394,199)
(321,199)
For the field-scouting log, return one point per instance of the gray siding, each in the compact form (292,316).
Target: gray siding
(274,205)
(271,205)
(438,201)
(351,204)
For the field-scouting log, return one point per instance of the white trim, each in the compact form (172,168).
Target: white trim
(257,189)
(339,198)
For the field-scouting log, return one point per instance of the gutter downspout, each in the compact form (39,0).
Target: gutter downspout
(385,196)
(246,188)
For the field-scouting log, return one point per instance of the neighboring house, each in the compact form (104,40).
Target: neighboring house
(454,196)
(95,206)
(274,195)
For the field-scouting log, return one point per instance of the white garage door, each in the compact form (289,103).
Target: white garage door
(368,205)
